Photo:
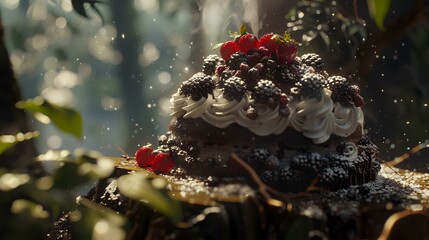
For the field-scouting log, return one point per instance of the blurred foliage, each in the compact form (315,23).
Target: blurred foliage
(66,119)
(8,141)
(152,191)
(378,10)
(35,202)
(312,19)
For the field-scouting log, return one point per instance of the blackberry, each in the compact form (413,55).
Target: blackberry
(341,91)
(367,147)
(285,174)
(257,157)
(334,174)
(198,86)
(272,162)
(210,63)
(338,160)
(270,63)
(313,60)
(301,70)
(311,86)
(252,75)
(236,59)
(234,88)
(313,161)
(268,176)
(264,90)
(281,73)
(227,73)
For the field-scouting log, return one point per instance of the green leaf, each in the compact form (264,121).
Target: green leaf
(68,176)
(151,191)
(8,141)
(66,119)
(378,10)
(93,221)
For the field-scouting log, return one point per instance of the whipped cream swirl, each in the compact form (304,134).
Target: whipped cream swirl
(317,120)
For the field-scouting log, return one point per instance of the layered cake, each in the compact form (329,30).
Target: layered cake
(283,114)
(263,144)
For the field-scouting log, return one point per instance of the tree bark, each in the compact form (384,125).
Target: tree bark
(12,119)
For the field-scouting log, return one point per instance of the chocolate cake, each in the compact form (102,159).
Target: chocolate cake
(283,114)
(265,144)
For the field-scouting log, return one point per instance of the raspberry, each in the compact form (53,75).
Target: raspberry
(264,90)
(248,41)
(236,59)
(270,42)
(272,162)
(198,86)
(313,60)
(244,68)
(162,163)
(253,58)
(227,49)
(220,69)
(251,113)
(357,98)
(234,88)
(283,99)
(311,86)
(264,52)
(257,157)
(145,156)
(210,63)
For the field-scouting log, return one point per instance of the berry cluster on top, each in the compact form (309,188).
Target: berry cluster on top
(267,68)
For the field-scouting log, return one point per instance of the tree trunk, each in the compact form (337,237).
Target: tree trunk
(12,119)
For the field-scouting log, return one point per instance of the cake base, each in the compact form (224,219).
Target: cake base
(391,207)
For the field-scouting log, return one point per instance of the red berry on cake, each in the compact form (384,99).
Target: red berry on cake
(162,163)
(283,99)
(227,49)
(145,156)
(286,50)
(251,113)
(248,42)
(270,41)
(264,52)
